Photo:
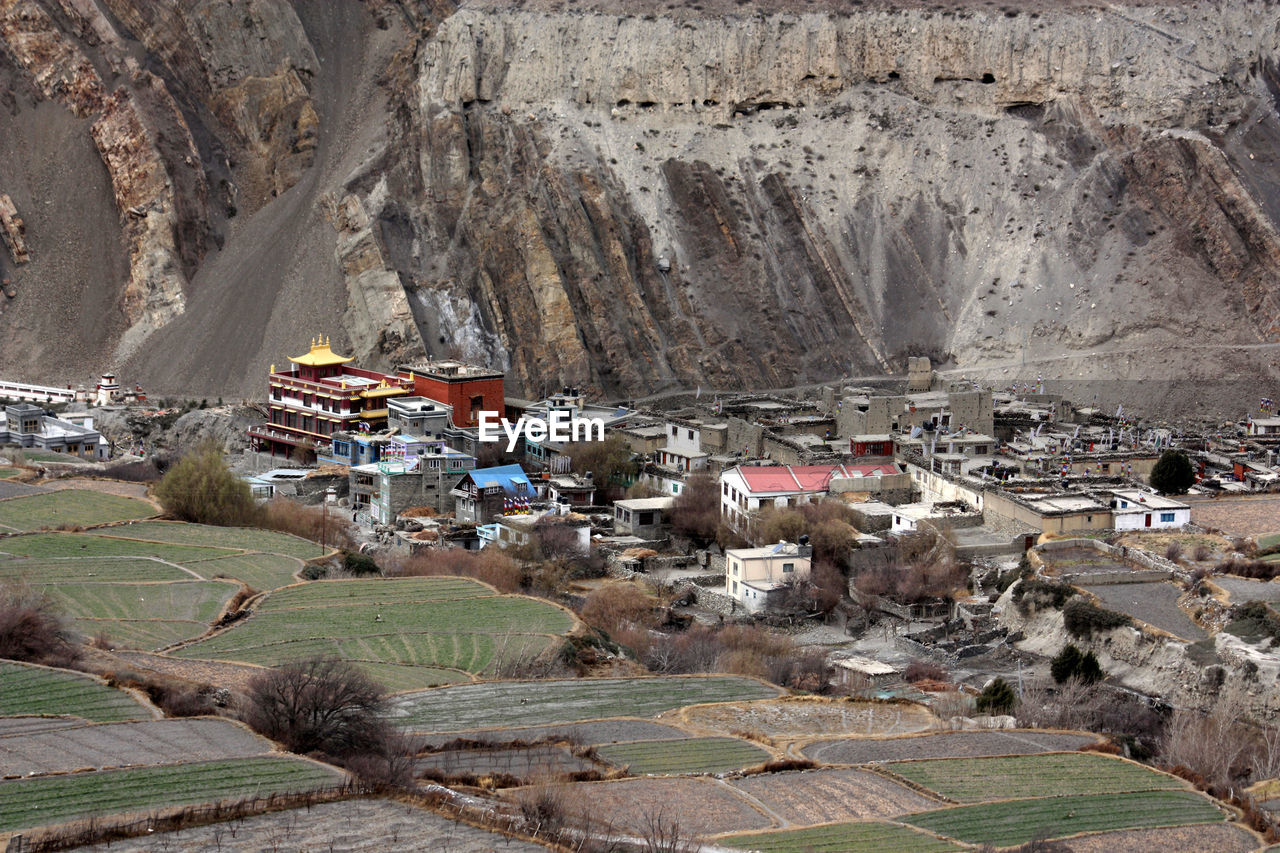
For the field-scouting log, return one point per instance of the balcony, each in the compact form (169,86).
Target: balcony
(266,432)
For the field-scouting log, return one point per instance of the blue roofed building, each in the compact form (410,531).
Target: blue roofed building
(487,493)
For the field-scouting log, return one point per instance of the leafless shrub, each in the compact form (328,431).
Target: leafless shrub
(1173,551)
(543,808)
(923,670)
(310,522)
(661,833)
(1202,552)
(490,566)
(619,604)
(32,629)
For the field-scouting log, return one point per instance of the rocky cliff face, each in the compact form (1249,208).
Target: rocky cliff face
(630,198)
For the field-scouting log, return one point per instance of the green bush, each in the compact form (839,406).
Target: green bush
(359,564)
(997,698)
(200,488)
(1081,618)
(1172,473)
(1034,593)
(1072,663)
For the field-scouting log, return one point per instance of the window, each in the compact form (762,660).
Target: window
(1166,517)
(788,567)
(690,433)
(735,587)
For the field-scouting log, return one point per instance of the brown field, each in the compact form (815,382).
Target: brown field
(233,676)
(106,487)
(795,718)
(822,796)
(528,763)
(701,806)
(352,825)
(1238,515)
(118,744)
(1219,837)
(946,745)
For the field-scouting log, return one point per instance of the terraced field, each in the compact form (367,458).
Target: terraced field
(152,593)
(1153,603)
(804,717)
(261,571)
(945,745)
(70,507)
(684,756)
(868,837)
(354,826)
(527,763)
(433,623)
(90,570)
(974,780)
(700,805)
(586,732)
(105,745)
(242,538)
(1013,822)
(26,689)
(1219,837)
(821,796)
(494,704)
(48,800)
(89,545)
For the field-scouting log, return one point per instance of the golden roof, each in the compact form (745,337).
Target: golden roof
(320,355)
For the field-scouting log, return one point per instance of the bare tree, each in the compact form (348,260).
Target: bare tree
(318,705)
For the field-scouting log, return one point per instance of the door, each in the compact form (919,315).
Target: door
(1148,519)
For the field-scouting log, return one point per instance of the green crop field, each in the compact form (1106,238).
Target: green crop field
(192,600)
(141,634)
(691,755)
(1269,540)
(43,801)
(1011,822)
(35,690)
(72,507)
(975,780)
(261,571)
(396,677)
(867,837)
(87,545)
(517,703)
(90,570)
(368,592)
(434,623)
(243,538)
(6,473)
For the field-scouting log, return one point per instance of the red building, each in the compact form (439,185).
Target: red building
(871,445)
(319,395)
(467,388)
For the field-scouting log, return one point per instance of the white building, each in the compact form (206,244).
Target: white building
(754,575)
(747,488)
(1135,509)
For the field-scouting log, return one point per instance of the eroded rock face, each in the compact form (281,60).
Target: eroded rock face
(630,198)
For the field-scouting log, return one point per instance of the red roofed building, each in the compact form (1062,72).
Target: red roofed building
(748,488)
